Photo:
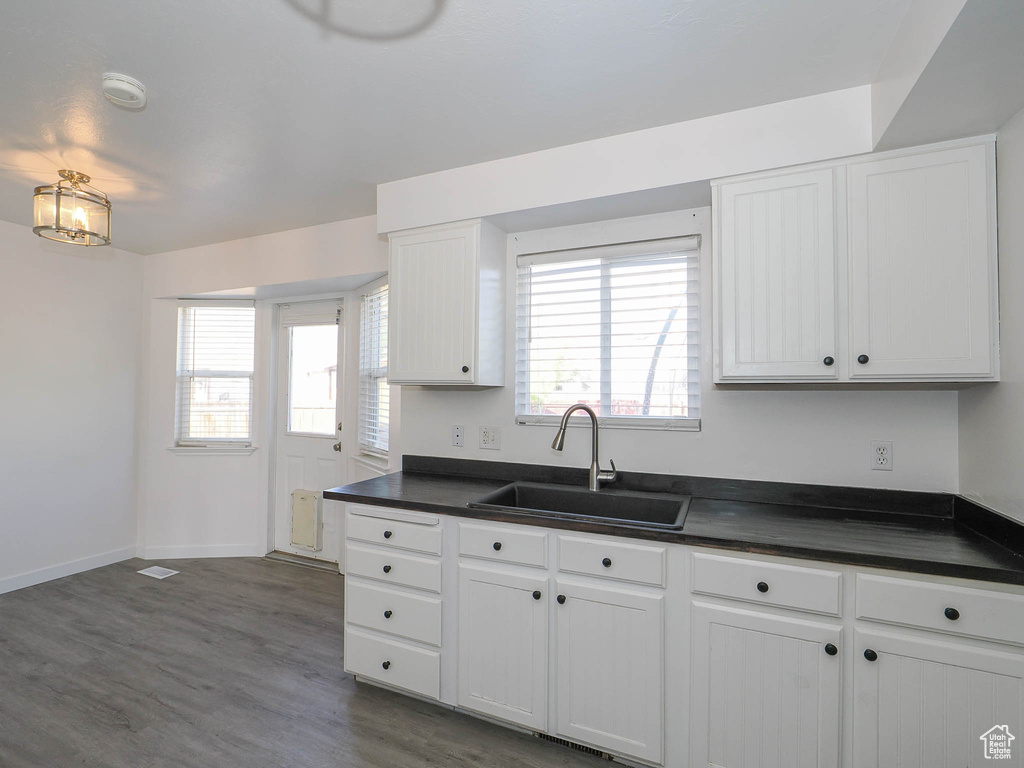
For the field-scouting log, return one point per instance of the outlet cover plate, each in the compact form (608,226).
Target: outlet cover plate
(490,438)
(458,436)
(881,455)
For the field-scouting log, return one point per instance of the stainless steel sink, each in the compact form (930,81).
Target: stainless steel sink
(634,508)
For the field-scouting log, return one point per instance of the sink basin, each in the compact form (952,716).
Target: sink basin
(635,508)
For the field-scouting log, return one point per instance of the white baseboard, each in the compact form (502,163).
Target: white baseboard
(30,579)
(186,551)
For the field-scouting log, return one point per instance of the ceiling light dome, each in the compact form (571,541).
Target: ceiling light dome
(71,211)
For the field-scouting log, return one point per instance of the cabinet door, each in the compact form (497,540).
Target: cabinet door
(503,645)
(927,704)
(922,266)
(776,277)
(765,693)
(610,651)
(433,306)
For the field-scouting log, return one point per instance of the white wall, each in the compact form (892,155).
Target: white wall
(796,436)
(198,504)
(69,342)
(992,416)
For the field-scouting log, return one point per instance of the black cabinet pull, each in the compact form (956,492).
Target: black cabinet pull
(830,649)
(387,614)
(387,534)
(386,665)
(561,599)
(387,569)
(497,546)
(762,586)
(607,562)
(870,655)
(863,359)
(952,614)
(830,361)
(465,369)
(536,594)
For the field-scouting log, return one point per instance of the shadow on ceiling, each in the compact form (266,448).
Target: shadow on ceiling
(371,19)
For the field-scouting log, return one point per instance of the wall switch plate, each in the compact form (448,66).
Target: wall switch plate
(881,455)
(490,438)
(458,437)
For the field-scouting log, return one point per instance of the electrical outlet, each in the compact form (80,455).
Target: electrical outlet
(881,455)
(458,439)
(490,438)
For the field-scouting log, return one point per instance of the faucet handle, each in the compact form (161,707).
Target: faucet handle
(604,476)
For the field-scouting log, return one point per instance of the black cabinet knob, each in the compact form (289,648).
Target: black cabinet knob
(952,614)
(387,534)
(387,569)
(386,665)
(863,359)
(465,369)
(561,599)
(870,655)
(536,594)
(830,649)
(387,614)
(829,361)
(607,562)
(497,546)
(762,586)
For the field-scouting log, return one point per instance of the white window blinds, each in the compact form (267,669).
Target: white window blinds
(615,327)
(216,344)
(374,391)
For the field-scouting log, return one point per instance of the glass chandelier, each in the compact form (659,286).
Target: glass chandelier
(71,211)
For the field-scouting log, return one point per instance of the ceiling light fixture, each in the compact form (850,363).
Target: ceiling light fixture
(71,211)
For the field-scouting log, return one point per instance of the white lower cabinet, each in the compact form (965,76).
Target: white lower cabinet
(924,703)
(503,644)
(609,678)
(766,690)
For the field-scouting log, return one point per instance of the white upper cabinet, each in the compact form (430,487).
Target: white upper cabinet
(775,263)
(923,267)
(446,305)
(878,268)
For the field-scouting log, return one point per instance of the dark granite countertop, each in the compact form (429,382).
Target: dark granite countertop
(933,533)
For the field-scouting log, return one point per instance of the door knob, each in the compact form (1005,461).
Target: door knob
(337,447)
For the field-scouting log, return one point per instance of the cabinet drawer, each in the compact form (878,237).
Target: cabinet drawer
(786,586)
(393,662)
(509,545)
(394,611)
(393,567)
(612,560)
(973,612)
(415,537)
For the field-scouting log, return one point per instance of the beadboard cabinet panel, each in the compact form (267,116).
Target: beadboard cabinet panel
(776,272)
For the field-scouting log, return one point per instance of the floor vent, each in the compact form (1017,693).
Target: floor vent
(573,745)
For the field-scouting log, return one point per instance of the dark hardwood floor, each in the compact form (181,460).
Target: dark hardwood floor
(231,663)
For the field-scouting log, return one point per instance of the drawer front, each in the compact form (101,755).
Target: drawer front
(507,545)
(395,533)
(638,563)
(394,611)
(393,567)
(785,586)
(973,612)
(393,662)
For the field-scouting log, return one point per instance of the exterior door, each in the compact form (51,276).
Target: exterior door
(927,703)
(308,413)
(503,644)
(766,690)
(611,665)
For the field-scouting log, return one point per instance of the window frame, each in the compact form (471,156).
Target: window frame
(368,450)
(606,250)
(210,444)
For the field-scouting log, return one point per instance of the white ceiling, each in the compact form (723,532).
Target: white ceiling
(267,116)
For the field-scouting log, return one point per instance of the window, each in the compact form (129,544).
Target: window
(216,345)
(614,327)
(374,391)
(312,339)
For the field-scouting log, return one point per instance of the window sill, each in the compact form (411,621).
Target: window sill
(212,450)
(615,422)
(375,463)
